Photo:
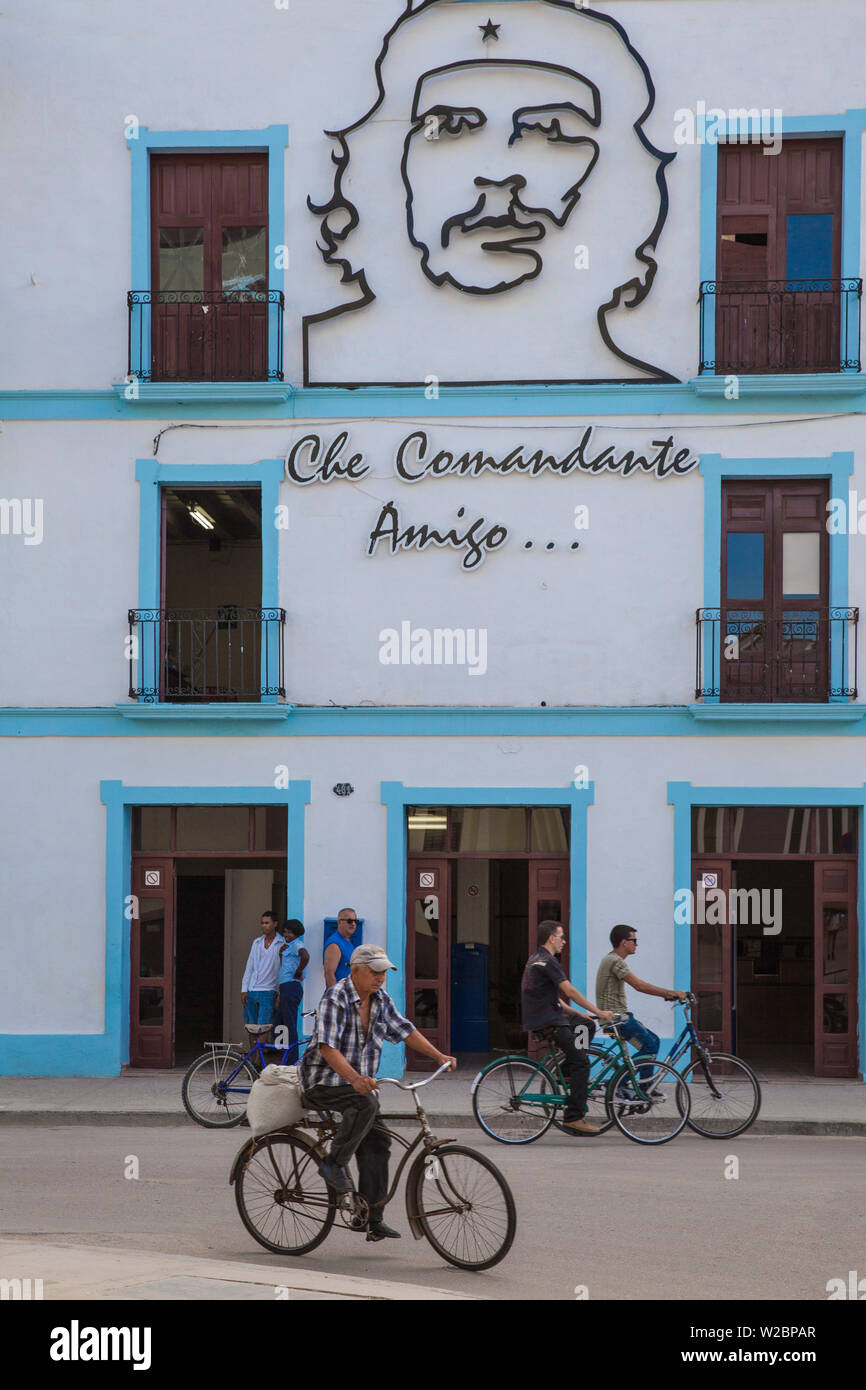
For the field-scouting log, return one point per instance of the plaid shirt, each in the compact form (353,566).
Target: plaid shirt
(339,1025)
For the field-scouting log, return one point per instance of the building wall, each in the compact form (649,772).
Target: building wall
(312,66)
(611,623)
(630,844)
(607,629)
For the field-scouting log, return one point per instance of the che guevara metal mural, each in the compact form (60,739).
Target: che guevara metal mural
(495,213)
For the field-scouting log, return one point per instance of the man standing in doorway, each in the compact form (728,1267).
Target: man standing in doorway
(338,951)
(338,1072)
(259,991)
(543,988)
(610,982)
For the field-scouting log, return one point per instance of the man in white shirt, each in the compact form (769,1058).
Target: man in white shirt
(259,989)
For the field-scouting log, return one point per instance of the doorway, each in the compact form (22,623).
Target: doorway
(774,935)
(774,1022)
(472,915)
(200,895)
(211,605)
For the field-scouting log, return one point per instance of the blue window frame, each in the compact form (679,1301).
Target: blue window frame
(716,469)
(153,475)
(850,125)
(142,143)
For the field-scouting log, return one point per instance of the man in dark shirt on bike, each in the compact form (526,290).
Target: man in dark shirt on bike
(542,990)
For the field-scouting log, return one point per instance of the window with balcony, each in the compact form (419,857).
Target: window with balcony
(778,303)
(775,637)
(209,639)
(208,315)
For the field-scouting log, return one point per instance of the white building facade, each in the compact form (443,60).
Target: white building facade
(431,469)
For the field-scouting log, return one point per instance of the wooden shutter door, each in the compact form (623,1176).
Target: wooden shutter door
(428,945)
(209,272)
(808,254)
(835,969)
(151,1033)
(240,266)
(712,956)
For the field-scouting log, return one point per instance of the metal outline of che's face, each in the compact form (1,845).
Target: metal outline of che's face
(473,118)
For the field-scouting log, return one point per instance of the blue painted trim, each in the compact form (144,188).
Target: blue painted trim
(152,475)
(170,393)
(328,722)
(93,1054)
(838,467)
(835,713)
(850,125)
(197,714)
(683,796)
(395,797)
(846,384)
(408,403)
(272,139)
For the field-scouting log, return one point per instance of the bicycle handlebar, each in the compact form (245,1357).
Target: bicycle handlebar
(416,1084)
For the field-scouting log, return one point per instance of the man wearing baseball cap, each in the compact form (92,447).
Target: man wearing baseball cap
(338,1072)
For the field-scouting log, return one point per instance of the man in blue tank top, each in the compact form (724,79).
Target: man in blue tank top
(338,951)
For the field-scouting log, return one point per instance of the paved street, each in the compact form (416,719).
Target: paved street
(625,1221)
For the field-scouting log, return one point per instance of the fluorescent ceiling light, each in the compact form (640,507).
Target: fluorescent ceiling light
(200,515)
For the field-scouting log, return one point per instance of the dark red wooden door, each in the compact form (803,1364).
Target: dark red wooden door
(151,1033)
(209,275)
(428,948)
(835,969)
(775,623)
(548,900)
(712,953)
(779,221)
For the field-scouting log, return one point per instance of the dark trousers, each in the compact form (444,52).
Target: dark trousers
(575,1066)
(291,995)
(359,1136)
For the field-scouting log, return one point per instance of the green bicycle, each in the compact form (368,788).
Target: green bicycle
(516,1099)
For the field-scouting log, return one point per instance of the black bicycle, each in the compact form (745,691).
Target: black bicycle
(455,1197)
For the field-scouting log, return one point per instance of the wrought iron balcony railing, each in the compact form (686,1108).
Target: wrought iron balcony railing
(205,335)
(808,654)
(195,656)
(763,326)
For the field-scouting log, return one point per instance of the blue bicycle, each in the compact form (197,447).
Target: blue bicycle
(216,1085)
(725,1092)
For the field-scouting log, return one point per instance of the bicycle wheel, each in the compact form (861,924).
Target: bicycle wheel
(659,1119)
(598,1110)
(203,1098)
(283,1200)
(465,1207)
(499,1104)
(725,1095)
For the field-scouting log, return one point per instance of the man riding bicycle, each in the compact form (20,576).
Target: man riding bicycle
(542,990)
(338,1072)
(610,982)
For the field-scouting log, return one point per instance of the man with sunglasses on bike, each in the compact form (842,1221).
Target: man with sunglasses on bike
(543,991)
(610,982)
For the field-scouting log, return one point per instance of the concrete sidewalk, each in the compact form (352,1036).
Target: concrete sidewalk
(153,1098)
(96,1273)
